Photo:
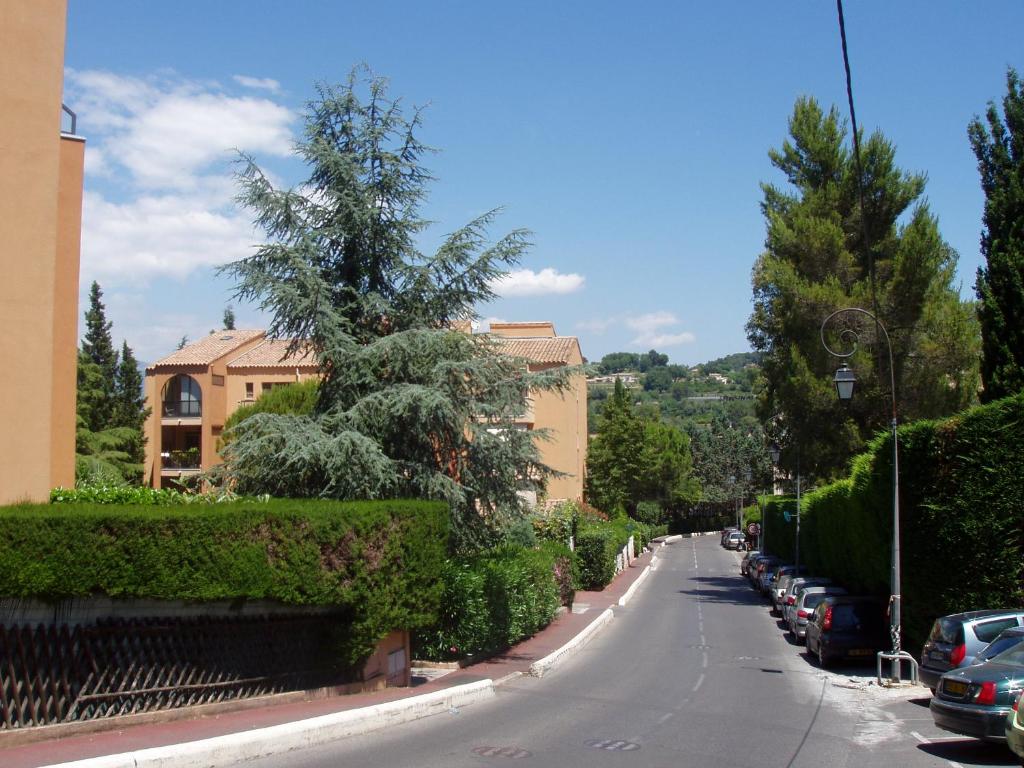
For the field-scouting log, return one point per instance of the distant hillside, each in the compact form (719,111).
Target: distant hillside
(684,396)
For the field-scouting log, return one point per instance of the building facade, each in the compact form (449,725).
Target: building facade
(562,414)
(193,391)
(41,173)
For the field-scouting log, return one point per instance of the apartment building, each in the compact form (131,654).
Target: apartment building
(41,173)
(193,391)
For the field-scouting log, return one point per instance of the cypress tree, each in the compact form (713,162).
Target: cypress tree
(98,348)
(1000,283)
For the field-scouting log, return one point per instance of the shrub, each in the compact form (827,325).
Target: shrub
(493,600)
(134,496)
(379,562)
(648,512)
(596,548)
(556,523)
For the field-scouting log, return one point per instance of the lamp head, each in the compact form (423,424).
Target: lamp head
(775,452)
(844,381)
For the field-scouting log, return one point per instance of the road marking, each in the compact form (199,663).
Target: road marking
(703,641)
(666,717)
(923,740)
(704,660)
(700,682)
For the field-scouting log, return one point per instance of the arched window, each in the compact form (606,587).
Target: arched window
(182,397)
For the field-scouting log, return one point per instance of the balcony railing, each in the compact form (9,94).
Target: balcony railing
(180,409)
(187,459)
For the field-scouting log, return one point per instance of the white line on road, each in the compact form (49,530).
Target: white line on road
(665,718)
(704,660)
(923,740)
(700,682)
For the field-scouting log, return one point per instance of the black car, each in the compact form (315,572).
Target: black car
(847,627)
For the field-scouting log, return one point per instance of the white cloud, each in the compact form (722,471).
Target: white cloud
(259,83)
(526,282)
(666,340)
(597,325)
(655,329)
(648,323)
(484,324)
(160,198)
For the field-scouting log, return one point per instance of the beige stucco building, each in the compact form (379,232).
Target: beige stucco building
(193,391)
(41,171)
(562,414)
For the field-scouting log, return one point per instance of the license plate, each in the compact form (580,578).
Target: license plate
(955,687)
(937,655)
(861,652)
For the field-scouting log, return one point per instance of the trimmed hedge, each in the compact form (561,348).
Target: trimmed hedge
(137,496)
(494,600)
(961,517)
(380,562)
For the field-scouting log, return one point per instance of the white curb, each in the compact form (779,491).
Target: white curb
(278,739)
(639,580)
(549,662)
(672,539)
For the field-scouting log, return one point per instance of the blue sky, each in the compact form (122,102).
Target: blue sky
(631,139)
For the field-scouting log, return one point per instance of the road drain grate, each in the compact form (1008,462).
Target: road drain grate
(772,671)
(613,745)
(513,752)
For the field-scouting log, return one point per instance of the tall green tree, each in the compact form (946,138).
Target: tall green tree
(229,318)
(823,252)
(406,406)
(98,348)
(615,455)
(1000,283)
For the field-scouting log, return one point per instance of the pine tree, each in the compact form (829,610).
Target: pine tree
(615,456)
(98,347)
(1000,283)
(229,318)
(406,407)
(823,252)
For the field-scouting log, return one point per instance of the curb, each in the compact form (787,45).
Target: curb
(633,587)
(672,539)
(278,739)
(549,662)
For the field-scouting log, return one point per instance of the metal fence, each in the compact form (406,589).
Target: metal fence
(60,673)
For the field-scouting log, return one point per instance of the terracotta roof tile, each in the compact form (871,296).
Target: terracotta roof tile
(539,349)
(273,353)
(208,349)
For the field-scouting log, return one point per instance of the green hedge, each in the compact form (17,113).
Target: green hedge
(137,496)
(380,562)
(961,517)
(494,600)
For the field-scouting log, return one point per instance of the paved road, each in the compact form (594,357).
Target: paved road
(693,672)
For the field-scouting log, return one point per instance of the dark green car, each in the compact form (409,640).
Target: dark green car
(974,701)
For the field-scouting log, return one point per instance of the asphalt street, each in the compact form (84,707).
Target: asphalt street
(693,672)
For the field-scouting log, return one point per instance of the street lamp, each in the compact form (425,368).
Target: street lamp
(844,380)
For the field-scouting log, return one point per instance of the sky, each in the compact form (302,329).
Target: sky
(631,139)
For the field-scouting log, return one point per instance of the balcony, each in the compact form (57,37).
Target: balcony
(188,460)
(182,409)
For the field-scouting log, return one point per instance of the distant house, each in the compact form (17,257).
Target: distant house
(628,379)
(193,391)
(563,414)
(720,378)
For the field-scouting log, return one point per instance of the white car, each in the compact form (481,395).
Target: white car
(736,540)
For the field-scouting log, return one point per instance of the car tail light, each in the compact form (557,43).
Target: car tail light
(1016,701)
(957,655)
(987,693)
(827,621)
(803,613)
(790,600)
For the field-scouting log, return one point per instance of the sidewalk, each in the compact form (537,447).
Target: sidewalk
(568,629)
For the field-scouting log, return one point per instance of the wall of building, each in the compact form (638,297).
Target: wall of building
(238,378)
(35,403)
(564,414)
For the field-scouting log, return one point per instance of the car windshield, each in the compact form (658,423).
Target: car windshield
(1013,657)
(1000,644)
(812,600)
(846,615)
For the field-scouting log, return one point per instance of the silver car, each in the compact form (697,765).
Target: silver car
(803,608)
(788,600)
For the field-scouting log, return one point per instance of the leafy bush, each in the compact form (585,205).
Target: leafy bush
(378,561)
(596,548)
(556,523)
(961,517)
(493,600)
(134,496)
(648,512)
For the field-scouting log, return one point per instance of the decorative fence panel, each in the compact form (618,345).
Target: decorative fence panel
(52,673)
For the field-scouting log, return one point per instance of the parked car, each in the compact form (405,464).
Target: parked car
(763,562)
(955,640)
(1004,641)
(1015,729)
(736,540)
(788,599)
(747,559)
(780,586)
(807,599)
(977,700)
(726,532)
(846,626)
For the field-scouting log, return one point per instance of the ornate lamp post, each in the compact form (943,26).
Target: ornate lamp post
(845,379)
